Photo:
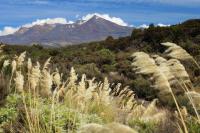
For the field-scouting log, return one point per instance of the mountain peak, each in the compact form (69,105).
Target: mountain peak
(94,28)
(93,18)
(96,17)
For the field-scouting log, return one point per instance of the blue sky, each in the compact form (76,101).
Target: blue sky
(134,12)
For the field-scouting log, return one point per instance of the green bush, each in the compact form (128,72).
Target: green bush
(142,88)
(91,70)
(105,56)
(9,112)
(193,125)
(108,68)
(143,127)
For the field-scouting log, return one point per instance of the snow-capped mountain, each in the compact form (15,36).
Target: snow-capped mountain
(94,29)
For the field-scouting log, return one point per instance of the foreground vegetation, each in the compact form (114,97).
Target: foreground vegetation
(162,95)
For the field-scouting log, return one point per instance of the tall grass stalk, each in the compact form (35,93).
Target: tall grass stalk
(180,114)
(185,88)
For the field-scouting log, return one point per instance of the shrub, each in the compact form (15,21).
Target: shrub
(142,88)
(91,70)
(105,56)
(143,127)
(193,125)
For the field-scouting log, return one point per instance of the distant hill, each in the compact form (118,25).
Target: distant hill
(94,29)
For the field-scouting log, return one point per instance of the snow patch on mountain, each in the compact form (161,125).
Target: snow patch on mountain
(115,20)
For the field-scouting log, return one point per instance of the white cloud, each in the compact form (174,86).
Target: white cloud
(48,21)
(143,26)
(163,25)
(116,20)
(8,30)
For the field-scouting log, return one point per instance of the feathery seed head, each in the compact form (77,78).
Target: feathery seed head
(164,68)
(151,108)
(146,65)
(47,62)
(178,70)
(73,76)
(195,96)
(57,78)
(14,66)
(45,83)
(29,65)
(6,63)
(177,52)
(82,85)
(20,59)
(143,64)
(19,81)
(34,76)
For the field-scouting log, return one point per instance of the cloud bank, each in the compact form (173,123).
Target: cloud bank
(48,21)
(10,30)
(163,25)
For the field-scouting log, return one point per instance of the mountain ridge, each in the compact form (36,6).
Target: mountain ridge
(94,29)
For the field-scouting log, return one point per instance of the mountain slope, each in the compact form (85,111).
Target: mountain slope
(94,29)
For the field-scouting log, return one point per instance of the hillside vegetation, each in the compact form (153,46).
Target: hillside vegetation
(147,85)
(111,58)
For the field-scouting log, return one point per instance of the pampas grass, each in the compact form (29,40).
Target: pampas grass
(19,82)
(158,76)
(34,77)
(56,78)
(175,51)
(14,66)
(178,70)
(29,65)
(50,92)
(145,65)
(162,64)
(81,95)
(6,63)
(169,73)
(20,59)
(45,83)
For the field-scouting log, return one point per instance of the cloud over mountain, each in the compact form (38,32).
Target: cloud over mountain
(10,30)
(60,32)
(48,21)
(116,20)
